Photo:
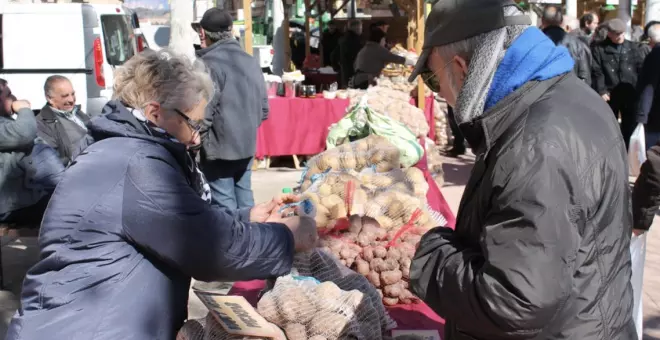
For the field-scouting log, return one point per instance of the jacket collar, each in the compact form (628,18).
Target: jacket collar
(218,44)
(483,132)
(612,48)
(48,114)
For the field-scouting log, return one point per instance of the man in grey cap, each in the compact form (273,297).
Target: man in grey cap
(541,244)
(616,65)
(234,114)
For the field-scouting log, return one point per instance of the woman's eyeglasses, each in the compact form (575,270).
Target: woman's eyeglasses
(195,126)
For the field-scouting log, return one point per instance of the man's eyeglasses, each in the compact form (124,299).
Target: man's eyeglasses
(195,126)
(430,79)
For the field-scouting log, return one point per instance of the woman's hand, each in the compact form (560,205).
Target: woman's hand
(269,211)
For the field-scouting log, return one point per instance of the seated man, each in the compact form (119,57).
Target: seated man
(29,170)
(61,123)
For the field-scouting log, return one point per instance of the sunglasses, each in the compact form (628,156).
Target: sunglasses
(195,126)
(430,79)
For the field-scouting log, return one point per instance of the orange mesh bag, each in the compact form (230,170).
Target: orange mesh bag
(324,300)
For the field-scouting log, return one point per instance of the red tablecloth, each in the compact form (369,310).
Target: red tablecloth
(298,126)
(408,317)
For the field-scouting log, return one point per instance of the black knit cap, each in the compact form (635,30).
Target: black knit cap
(216,20)
(455,20)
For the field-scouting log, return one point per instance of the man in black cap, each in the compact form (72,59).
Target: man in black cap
(541,244)
(237,110)
(616,65)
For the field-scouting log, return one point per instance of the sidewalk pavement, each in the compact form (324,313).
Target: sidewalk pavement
(19,254)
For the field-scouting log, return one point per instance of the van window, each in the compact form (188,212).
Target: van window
(118,37)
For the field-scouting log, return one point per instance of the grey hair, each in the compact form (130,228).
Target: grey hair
(654,33)
(466,48)
(172,80)
(217,36)
(50,82)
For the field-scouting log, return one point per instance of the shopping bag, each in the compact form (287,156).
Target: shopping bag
(638,258)
(637,150)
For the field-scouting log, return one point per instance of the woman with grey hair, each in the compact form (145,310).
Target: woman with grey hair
(540,249)
(130,222)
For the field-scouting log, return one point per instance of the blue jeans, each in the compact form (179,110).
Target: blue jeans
(230,182)
(652,139)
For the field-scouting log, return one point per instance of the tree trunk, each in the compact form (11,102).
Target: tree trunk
(182,36)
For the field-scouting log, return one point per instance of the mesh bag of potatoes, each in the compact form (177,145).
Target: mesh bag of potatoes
(382,256)
(388,197)
(370,152)
(323,300)
(209,329)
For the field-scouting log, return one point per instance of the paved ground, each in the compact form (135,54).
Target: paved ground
(19,254)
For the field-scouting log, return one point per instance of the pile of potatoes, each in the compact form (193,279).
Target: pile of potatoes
(324,300)
(364,248)
(390,197)
(371,152)
(393,100)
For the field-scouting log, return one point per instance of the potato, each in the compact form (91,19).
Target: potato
(395,209)
(338,211)
(317,337)
(374,278)
(327,295)
(339,189)
(380,252)
(414,175)
(394,253)
(388,301)
(378,265)
(354,298)
(385,222)
(390,277)
(347,161)
(325,190)
(295,306)
(331,201)
(380,293)
(393,290)
(295,331)
(327,323)
(376,232)
(368,254)
(362,267)
(347,254)
(321,221)
(267,307)
(406,272)
(384,166)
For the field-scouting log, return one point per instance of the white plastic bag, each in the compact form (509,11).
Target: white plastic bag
(637,150)
(638,258)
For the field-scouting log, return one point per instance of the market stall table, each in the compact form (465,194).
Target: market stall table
(322,81)
(299,126)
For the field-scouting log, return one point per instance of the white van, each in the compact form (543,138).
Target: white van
(83,42)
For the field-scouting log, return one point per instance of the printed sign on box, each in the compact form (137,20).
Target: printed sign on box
(415,335)
(236,315)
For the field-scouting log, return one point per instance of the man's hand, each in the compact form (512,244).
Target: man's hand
(17,105)
(606,97)
(638,232)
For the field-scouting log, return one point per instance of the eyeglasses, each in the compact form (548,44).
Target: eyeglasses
(430,79)
(195,126)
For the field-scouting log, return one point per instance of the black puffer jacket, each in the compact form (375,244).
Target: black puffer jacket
(576,47)
(541,246)
(615,66)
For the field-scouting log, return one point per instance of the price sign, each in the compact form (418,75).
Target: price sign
(236,315)
(415,335)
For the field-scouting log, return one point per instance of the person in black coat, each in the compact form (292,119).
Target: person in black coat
(552,22)
(61,123)
(330,41)
(616,66)
(346,53)
(648,109)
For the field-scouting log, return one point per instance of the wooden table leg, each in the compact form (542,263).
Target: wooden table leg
(296,162)
(267,162)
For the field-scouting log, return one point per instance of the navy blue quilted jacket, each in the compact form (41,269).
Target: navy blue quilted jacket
(122,236)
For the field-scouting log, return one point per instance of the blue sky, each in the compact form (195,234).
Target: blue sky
(151,4)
